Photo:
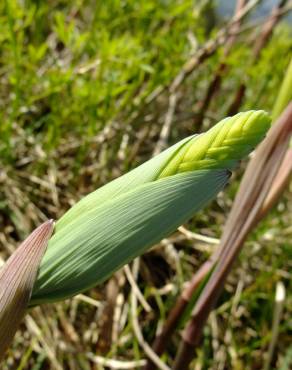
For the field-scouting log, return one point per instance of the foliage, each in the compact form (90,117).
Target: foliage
(76,110)
(120,220)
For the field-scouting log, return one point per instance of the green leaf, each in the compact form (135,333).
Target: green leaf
(285,93)
(221,147)
(92,247)
(147,172)
(119,221)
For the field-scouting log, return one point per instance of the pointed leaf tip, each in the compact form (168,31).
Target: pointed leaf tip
(223,145)
(17,277)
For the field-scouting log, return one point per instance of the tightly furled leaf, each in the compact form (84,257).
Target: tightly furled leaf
(119,221)
(221,147)
(88,250)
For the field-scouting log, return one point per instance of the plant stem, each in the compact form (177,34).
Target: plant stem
(266,33)
(254,189)
(215,84)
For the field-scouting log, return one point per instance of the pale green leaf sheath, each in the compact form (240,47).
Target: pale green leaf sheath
(122,219)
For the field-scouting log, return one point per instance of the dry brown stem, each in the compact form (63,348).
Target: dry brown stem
(261,41)
(244,216)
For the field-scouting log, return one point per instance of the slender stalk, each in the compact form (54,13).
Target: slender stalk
(285,170)
(285,167)
(267,29)
(175,314)
(254,189)
(221,70)
(211,46)
(261,41)
(239,96)
(106,320)
(277,187)
(282,179)
(206,51)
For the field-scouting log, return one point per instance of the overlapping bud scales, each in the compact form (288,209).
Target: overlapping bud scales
(121,220)
(222,146)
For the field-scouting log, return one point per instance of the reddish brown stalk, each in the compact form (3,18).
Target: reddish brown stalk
(106,320)
(261,41)
(210,47)
(279,184)
(240,4)
(207,50)
(281,181)
(17,278)
(236,104)
(267,29)
(247,206)
(176,313)
(215,84)
(203,53)
(174,316)
(240,11)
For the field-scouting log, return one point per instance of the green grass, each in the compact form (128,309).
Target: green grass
(75,79)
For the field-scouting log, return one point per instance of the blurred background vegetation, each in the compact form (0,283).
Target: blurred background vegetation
(85,93)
